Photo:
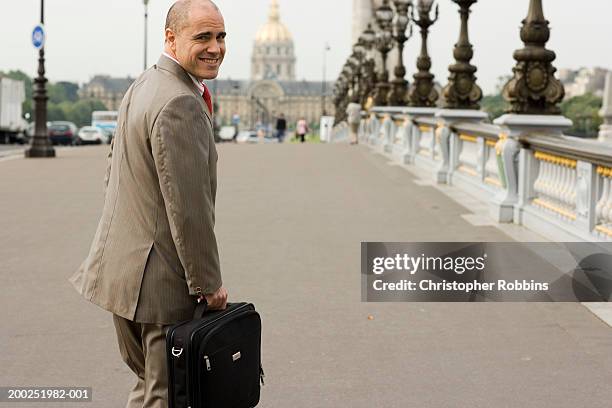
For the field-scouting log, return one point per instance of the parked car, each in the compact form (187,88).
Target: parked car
(91,135)
(247,136)
(226,134)
(61,132)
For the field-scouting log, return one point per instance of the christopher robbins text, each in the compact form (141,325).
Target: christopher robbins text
(444,285)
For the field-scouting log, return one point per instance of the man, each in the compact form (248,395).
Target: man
(154,253)
(281,127)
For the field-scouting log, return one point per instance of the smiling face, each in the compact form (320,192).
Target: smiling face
(199,43)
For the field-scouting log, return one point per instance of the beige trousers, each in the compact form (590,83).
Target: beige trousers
(143,349)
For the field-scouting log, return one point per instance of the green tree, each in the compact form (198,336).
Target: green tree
(63,91)
(80,112)
(494,105)
(583,110)
(55,112)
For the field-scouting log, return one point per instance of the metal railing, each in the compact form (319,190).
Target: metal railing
(559,186)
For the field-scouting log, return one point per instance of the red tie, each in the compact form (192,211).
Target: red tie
(208,99)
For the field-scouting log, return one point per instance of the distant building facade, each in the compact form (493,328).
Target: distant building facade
(272,88)
(582,81)
(108,90)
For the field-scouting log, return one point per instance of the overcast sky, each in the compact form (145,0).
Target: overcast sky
(88,37)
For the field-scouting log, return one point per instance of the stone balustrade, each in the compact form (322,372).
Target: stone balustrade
(556,185)
(603,209)
(566,182)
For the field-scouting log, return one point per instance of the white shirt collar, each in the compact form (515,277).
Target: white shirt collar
(198,84)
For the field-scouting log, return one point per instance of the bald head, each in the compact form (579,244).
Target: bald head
(178,15)
(195,37)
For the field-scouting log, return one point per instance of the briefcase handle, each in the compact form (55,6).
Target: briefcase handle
(200,309)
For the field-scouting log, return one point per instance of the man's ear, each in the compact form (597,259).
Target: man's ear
(171,39)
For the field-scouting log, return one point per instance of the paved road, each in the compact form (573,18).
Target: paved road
(10,149)
(290,220)
(4,147)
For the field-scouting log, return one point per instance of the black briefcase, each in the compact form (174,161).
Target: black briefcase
(214,360)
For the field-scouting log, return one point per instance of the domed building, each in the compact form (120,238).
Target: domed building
(273,53)
(272,88)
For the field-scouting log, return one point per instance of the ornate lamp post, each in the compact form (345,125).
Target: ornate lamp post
(351,67)
(534,88)
(336,98)
(398,93)
(368,67)
(40,146)
(349,83)
(461,92)
(358,58)
(146,31)
(340,93)
(422,93)
(324,82)
(384,44)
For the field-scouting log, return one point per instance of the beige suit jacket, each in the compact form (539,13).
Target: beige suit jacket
(155,246)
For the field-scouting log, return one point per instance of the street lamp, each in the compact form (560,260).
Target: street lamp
(354,64)
(462,91)
(339,94)
(534,90)
(348,75)
(324,83)
(345,87)
(398,94)
(368,38)
(146,31)
(423,93)
(384,43)
(359,53)
(40,145)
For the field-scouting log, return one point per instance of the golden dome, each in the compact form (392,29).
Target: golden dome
(273,31)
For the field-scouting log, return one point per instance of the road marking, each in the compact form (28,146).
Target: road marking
(10,155)
(424,183)
(478,220)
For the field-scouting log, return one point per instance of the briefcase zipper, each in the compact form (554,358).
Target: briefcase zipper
(207,360)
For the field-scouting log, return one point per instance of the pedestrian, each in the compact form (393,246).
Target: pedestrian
(260,131)
(236,125)
(154,254)
(301,128)
(353,113)
(281,128)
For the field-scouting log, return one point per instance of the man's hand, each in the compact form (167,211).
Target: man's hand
(218,300)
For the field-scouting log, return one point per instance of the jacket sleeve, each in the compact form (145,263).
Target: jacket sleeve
(180,144)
